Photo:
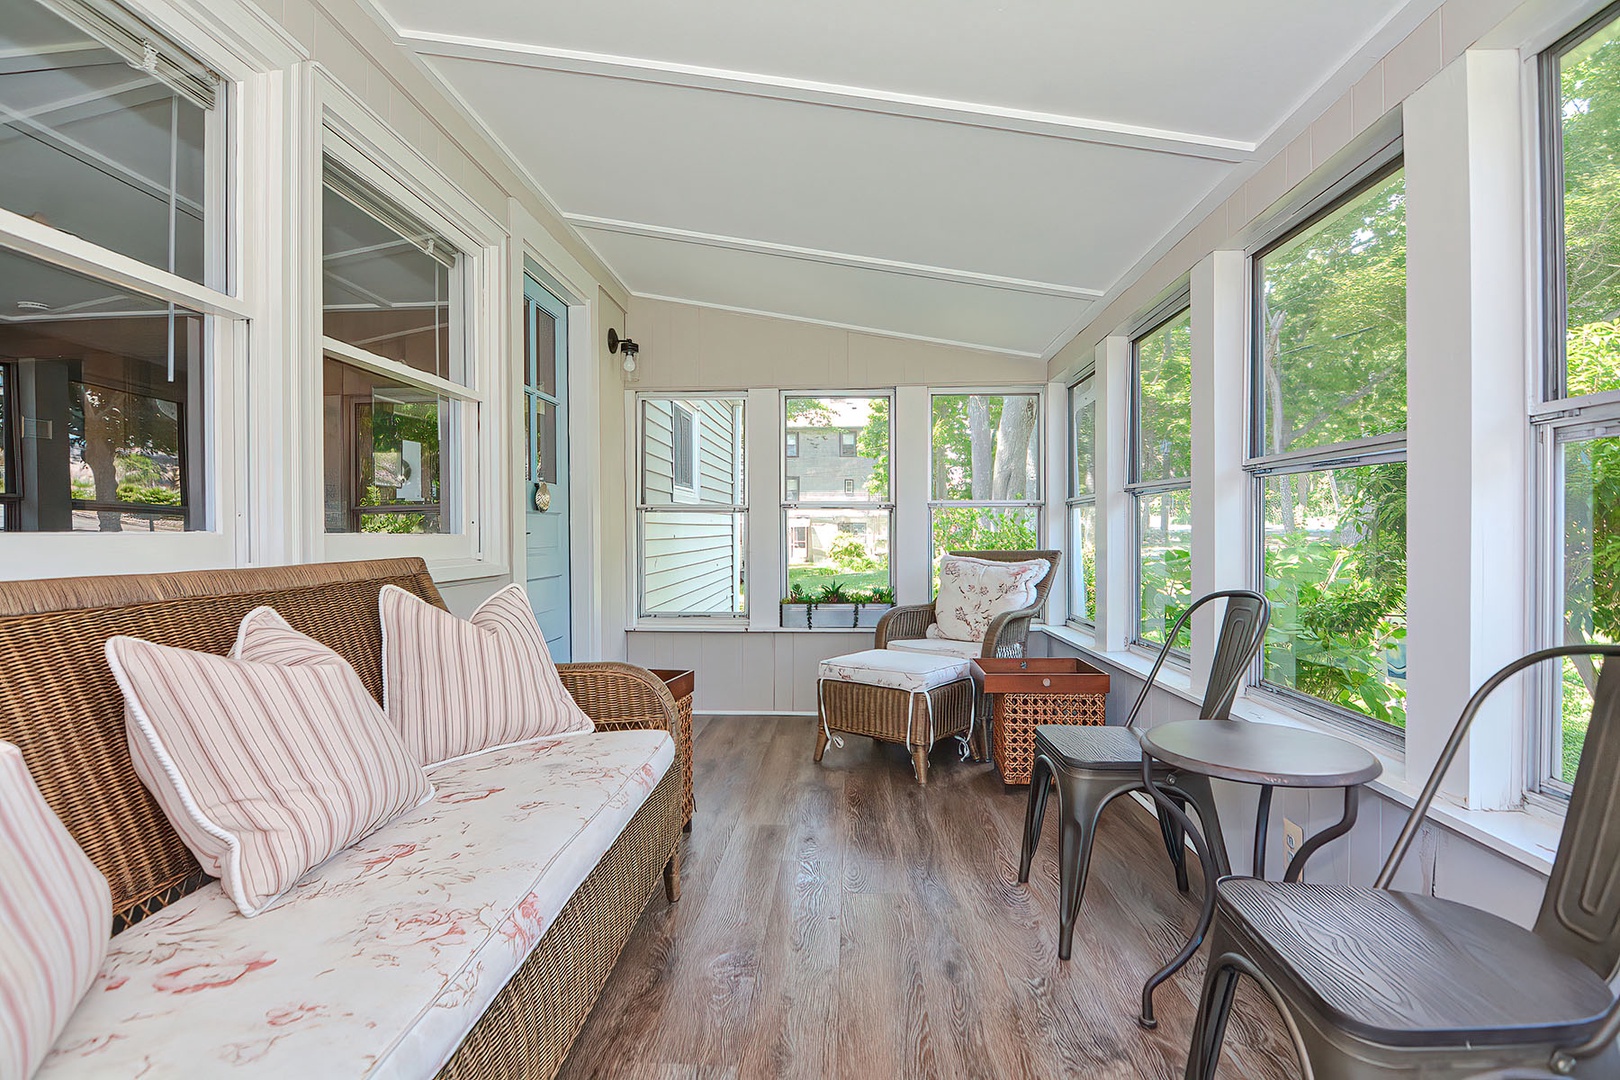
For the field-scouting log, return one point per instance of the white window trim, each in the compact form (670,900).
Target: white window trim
(248,50)
(345,128)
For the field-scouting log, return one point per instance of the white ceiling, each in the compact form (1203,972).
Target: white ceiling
(952,170)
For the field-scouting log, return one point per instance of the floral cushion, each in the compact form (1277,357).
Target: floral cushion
(377,963)
(974,591)
(912,672)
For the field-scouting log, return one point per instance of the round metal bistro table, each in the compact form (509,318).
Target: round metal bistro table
(1269,756)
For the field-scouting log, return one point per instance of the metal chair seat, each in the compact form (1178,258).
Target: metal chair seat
(1099,749)
(1406,970)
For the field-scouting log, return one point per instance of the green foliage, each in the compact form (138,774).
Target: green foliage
(966,528)
(873,444)
(981,446)
(1164,368)
(1166,593)
(832,593)
(811,578)
(881,594)
(796,594)
(851,556)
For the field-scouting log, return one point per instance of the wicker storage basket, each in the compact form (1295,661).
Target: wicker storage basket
(1031,691)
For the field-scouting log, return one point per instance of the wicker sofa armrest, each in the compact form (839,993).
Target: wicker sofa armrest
(621,696)
(1008,632)
(903,623)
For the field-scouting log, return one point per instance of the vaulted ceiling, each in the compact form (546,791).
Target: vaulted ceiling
(958,170)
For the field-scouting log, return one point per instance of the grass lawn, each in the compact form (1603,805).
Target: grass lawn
(813,578)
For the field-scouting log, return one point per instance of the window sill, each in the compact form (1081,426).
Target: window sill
(1527,836)
(695,626)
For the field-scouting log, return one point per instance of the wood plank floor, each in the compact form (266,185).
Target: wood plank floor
(838,921)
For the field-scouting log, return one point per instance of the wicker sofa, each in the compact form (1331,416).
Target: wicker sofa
(61,706)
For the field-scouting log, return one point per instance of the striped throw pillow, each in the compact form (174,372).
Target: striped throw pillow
(267,762)
(455,687)
(55,918)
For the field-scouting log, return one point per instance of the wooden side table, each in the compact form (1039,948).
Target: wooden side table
(1030,691)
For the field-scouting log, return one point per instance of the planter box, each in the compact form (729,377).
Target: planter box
(867,615)
(1030,691)
(796,616)
(833,617)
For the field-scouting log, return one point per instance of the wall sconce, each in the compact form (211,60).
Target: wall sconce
(629,348)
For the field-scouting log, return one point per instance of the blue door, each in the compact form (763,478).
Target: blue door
(545,403)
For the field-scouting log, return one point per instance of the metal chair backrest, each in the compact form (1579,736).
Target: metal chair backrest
(1243,631)
(1580,913)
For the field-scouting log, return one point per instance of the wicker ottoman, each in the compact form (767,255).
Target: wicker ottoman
(913,699)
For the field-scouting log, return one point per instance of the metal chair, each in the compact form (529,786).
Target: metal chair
(1377,983)
(1093,766)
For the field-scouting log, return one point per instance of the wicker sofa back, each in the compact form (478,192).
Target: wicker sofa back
(60,704)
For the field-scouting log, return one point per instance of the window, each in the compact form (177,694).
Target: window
(1577,434)
(985,460)
(692,540)
(113,135)
(1160,481)
(1082,556)
(1328,453)
(394,382)
(838,509)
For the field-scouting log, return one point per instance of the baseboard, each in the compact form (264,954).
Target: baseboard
(770,713)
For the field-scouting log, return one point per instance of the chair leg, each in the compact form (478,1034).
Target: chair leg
(1040,786)
(1083,801)
(1175,842)
(672,877)
(1196,790)
(821,742)
(1214,1007)
(919,764)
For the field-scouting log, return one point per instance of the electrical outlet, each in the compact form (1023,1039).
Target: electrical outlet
(1293,837)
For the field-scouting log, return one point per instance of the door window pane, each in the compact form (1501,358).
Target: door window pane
(105,388)
(1164,532)
(1331,331)
(1164,401)
(692,562)
(839,447)
(849,548)
(383,440)
(1335,573)
(95,147)
(385,290)
(986,447)
(1589,112)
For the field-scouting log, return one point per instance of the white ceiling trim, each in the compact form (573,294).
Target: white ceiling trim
(833,95)
(1022,354)
(835,258)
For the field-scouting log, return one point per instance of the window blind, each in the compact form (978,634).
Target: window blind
(346,182)
(143,47)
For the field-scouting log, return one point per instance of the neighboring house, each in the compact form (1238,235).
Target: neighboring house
(822,468)
(693,559)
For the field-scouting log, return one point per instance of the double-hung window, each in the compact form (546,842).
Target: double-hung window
(1328,454)
(399,409)
(1160,472)
(1578,421)
(837,506)
(115,252)
(985,460)
(692,506)
(1083,502)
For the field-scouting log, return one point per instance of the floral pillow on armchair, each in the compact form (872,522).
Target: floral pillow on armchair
(974,591)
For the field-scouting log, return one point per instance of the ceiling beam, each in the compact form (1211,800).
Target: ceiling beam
(832,95)
(835,258)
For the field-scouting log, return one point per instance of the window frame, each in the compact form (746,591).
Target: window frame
(1557,420)
(869,506)
(1176,304)
(1386,448)
(1077,500)
(1035,502)
(641,506)
(472,481)
(237,204)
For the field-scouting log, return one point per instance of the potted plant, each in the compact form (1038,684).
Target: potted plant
(833,607)
(871,605)
(796,607)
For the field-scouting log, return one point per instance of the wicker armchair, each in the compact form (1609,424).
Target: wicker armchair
(1007,632)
